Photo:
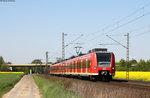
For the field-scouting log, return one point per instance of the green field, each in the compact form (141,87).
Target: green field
(8,80)
(52,90)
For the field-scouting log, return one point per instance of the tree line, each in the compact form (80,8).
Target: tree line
(3,65)
(133,65)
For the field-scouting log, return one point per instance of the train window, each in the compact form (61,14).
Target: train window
(103,59)
(88,64)
(63,67)
(78,66)
(84,64)
(81,64)
(74,63)
(70,65)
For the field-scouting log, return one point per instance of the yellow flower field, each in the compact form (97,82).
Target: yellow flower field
(133,75)
(13,72)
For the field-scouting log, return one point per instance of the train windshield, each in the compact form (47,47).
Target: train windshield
(103,59)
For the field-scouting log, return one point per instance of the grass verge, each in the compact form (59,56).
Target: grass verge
(7,81)
(53,90)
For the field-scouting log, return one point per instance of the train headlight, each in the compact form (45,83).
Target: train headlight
(94,67)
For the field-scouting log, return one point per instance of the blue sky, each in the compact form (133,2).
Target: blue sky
(29,28)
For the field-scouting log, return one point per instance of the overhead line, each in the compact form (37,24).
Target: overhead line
(119,26)
(142,8)
(141,34)
(74,40)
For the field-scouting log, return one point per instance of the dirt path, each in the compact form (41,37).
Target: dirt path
(25,88)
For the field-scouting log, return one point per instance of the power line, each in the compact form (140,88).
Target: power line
(137,18)
(103,44)
(58,48)
(117,23)
(74,40)
(140,34)
(139,28)
(116,41)
(127,52)
(133,13)
(121,25)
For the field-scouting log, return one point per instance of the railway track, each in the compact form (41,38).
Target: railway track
(130,84)
(121,83)
(125,83)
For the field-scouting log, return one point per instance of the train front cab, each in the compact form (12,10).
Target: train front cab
(105,65)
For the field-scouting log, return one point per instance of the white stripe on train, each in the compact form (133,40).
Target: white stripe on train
(81,74)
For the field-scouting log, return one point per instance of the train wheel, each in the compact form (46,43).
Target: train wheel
(92,78)
(110,77)
(106,78)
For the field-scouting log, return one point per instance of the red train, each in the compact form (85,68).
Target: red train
(97,64)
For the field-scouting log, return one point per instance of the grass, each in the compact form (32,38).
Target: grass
(88,89)
(7,81)
(53,90)
(133,75)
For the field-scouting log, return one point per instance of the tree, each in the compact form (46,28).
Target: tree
(148,65)
(138,66)
(8,63)
(5,67)
(1,62)
(37,69)
(122,63)
(148,62)
(141,65)
(133,62)
(36,61)
(50,63)
(142,62)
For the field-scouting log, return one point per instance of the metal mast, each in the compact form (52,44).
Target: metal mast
(63,46)
(46,68)
(127,53)
(127,57)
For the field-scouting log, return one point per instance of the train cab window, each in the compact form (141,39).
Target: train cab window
(103,59)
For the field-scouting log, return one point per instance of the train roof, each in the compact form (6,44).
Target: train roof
(95,50)
(98,50)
